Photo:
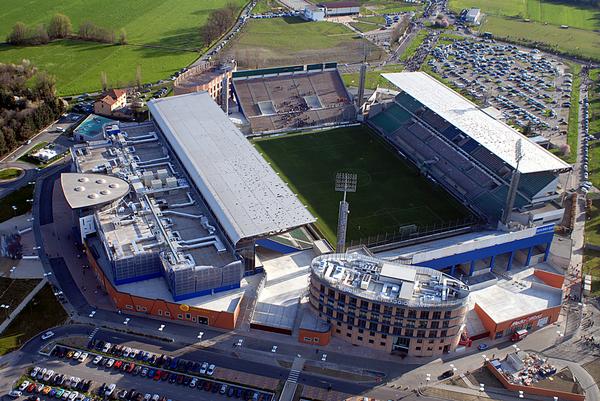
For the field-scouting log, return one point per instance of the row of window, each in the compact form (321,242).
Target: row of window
(364,305)
(180,316)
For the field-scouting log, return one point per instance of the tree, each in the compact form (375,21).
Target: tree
(39,35)
(122,37)
(18,35)
(104,81)
(60,27)
(138,76)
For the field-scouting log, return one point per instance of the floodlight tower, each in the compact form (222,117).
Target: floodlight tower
(344,182)
(514,184)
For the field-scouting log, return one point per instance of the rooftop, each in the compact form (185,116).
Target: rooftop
(85,190)
(391,282)
(246,195)
(523,295)
(494,135)
(339,4)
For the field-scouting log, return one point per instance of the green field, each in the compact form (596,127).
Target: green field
(386,6)
(551,12)
(506,19)
(16,198)
(10,173)
(265,6)
(168,30)
(41,313)
(374,78)
(364,26)
(414,45)
(289,41)
(390,193)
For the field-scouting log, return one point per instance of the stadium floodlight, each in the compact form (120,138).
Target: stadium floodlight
(344,182)
(514,184)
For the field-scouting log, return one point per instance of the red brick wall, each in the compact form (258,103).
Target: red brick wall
(322,338)
(551,279)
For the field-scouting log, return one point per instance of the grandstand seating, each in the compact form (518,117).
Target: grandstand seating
(287,92)
(467,169)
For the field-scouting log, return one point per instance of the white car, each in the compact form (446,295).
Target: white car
(192,383)
(97,359)
(66,395)
(110,363)
(111,389)
(35,371)
(107,346)
(203,368)
(15,394)
(76,355)
(47,335)
(83,357)
(73,395)
(24,385)
(210,370)
(48,375)
(41,373)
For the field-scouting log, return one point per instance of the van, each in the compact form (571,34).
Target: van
(519,335)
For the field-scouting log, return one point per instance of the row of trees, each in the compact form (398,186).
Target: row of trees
(218,23)
(60,27)
(28,103)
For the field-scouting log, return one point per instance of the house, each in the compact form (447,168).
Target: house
(313,13)
(110,101)
(473,16)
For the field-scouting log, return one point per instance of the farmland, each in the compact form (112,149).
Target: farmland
(163,37)
(288,41)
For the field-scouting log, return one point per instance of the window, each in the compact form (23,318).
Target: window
(400,312)
(432,333)
(316,339)
(434,325)
(167,313)
(360,331)
(444,333)
(408,332)
(375,307)
(128,306)
(382,344)
(387,310)
(412,314)
(338,331)
(445,324)
(308,339)
(349,327)
(339,324)
(418,348)
(429,348)
(385,329)
(424,314)
(419,341)
(348,335)
(411,323)
(422,324)
(194,319)
(448,314)
(188,316)
(180,316)
(322,288)
(437,315)
(372,333)
(371,342)
(359,338)
(352,301)
(384,336)
(420,333)
(430,341)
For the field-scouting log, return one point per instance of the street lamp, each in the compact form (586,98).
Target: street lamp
(14,208)
(428,377)
(200,335)
(161,328)
(126,321)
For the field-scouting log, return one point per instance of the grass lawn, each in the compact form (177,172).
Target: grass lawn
(289,41)
(9,173)
(594,98)
(265,6)
(42,313)
(12,292)
(390,192)
(572,41)
(414,45)
(17,198)
(387,6)
(364,26)
(552,12)
(171,27)
(374,78)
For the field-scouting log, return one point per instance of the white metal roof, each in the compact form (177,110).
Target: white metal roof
(243,191)
(87,190)
(493,134)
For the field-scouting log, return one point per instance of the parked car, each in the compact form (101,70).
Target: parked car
(47,335)
(211,370)
(15,394)
(24,385)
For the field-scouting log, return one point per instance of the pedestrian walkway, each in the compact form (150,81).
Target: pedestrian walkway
(22,305)
(291,384)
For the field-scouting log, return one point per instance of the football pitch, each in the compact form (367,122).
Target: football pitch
(391,193)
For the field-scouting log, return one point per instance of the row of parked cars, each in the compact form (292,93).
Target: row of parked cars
(52,384)
(585,174)
(153,360)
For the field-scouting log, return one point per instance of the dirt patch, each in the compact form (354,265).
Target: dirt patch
(593,368)
(562,381)
(483,375)
(341,374)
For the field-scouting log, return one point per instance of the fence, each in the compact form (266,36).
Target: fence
(414,232)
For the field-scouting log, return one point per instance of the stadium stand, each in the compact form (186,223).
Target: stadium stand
(291,98)
(445,139)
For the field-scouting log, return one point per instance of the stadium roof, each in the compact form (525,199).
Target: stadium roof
(493,134)
(245,194)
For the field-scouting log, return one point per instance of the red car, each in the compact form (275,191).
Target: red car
(157,375)
(30,388)
(118,364)
(130,367)
(164,375)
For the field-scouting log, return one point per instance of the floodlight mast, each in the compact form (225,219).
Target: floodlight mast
(514,184)
(344,182)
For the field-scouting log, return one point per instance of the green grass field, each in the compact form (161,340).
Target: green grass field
(364,26)
(414,45)
(289,41)
(170,29)
(573,127)
(10,173)
(16,198)
(551,12)
(572,41)
(390,192)
(42,313)
(265,6)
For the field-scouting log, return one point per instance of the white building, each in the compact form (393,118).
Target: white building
(473,16)
(313,13)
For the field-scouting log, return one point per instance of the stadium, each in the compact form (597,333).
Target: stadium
(185,218)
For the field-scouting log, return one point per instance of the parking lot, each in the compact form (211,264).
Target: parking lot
(531,90)
(118,372)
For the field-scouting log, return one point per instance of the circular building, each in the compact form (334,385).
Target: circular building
(403,309)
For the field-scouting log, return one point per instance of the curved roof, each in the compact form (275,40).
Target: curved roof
(86,190)
(497,137)
(243,191)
